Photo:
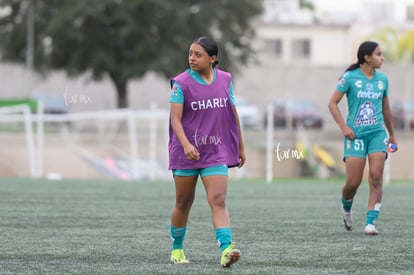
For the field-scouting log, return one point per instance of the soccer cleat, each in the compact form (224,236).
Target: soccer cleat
(178,257)
(230,255)
(370,230)
(347,218)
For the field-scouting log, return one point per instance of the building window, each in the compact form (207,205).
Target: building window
(301,49)
(274,46)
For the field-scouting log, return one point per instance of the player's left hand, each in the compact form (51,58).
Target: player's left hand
(242,157)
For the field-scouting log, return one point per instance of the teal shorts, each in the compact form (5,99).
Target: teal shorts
(361,147)
(203,172)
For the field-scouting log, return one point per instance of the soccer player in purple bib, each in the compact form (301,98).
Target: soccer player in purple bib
(205,140)
(364,131)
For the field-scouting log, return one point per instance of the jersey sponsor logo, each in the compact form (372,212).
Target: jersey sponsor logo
(358,83)
(220,102)
(368,94)
(366,115)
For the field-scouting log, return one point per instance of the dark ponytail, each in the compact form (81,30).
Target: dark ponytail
(366,48)
(209,45)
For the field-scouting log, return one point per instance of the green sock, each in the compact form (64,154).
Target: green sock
(372,216)
(177,237)
(223,237)
(347,204)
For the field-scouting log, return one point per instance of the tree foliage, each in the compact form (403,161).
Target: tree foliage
(387,37)
(397,47)
(405,47)
(307,4)
(124,39)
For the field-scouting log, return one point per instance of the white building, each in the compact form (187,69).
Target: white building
(317,45)
(289,35)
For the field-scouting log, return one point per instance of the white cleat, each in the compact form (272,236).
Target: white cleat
(370,230)
(347,218)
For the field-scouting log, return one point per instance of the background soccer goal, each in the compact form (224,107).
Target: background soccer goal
(125,144)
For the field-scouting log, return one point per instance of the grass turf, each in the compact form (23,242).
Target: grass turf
(112,227)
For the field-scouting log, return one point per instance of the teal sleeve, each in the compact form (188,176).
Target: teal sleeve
(231,93)
(386,87)
(177,95)
(343,84)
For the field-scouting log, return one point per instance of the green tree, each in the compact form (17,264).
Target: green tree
(124,39)
(388,38)
(405,47)
(307,4)
(396,46)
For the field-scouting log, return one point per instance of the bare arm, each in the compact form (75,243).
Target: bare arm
(386,111)
(337,116)
(176,114)
(242,154)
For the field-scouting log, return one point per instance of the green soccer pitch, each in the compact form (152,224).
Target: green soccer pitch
(113,227)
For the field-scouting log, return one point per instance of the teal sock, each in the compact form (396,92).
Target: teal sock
(372,216)
(177,237)
(347,204)
(223,237)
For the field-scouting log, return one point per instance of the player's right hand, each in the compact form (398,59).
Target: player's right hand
(191,153)
(348,133)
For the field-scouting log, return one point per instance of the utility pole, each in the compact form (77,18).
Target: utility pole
(29,46)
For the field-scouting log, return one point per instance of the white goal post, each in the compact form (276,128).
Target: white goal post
(23,113)
(132,121)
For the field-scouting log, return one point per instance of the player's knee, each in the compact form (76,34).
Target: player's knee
(351,186)
(218,200)
(184,204)
(376,181)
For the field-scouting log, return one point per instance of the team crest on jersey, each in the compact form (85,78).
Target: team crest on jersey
(369,87)
(380,85)
(366,115)
(174,90)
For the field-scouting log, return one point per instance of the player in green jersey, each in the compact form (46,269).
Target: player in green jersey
(365,129)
